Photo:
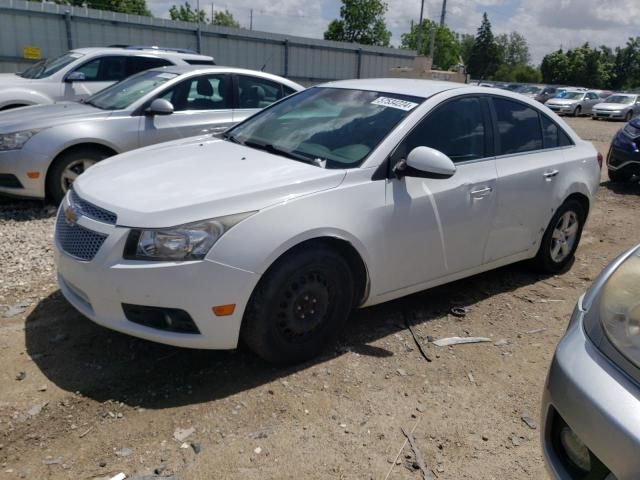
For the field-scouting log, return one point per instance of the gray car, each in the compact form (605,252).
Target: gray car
(591,403)
(619,106)
(573,102)
(44,148)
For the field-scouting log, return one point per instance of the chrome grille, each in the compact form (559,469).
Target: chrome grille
(77,241)
(90,210)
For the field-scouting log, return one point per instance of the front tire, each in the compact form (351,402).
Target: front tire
(299,306)
(577,112)
(67,167)
(560,240)
(628,116)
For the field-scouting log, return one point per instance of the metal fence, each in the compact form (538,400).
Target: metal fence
(30,28)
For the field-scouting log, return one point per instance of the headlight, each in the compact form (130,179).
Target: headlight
(15,141)
(620,308)
(185,242)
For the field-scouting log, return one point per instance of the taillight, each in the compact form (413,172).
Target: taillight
(600,160)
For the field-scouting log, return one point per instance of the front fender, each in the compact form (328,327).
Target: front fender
(23,96)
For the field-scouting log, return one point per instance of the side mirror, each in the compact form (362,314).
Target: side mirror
(75,77)
(160,106)
(425,162)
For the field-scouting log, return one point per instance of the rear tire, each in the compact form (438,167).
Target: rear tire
(561,239)
(618,175)
(74,162)
(299,306)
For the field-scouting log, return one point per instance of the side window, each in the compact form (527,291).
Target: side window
(518,127)
(257,92)
(553,135)
(456,129)
(104,69)
(205,92)
(140,64)
(287,91)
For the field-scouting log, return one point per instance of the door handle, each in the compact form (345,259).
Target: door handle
(551,173)
(481,192)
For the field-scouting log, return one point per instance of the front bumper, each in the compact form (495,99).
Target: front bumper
(99,288)
(608,114)
(17,163)
(621,158)
(562,108)
(597,401)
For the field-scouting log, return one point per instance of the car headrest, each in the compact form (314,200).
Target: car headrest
(204,87)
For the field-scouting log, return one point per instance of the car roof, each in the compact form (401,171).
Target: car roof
(402,86)
(182,69)
(142,52)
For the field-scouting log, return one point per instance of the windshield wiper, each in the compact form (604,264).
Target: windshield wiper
(231,138)
(268,147)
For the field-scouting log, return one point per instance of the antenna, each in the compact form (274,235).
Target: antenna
(265,63)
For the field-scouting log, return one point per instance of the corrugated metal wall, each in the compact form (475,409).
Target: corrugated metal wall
(50,28)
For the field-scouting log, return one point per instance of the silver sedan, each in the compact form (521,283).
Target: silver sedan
(44,148)
(620,106)
(591,403)
(573,102)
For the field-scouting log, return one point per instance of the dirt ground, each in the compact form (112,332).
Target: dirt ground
(78,401)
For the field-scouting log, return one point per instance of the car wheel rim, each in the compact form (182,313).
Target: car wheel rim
(304,306)
(564,236)
(71,172)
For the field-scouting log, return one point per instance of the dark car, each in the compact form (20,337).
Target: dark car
(623,160)
(546,94)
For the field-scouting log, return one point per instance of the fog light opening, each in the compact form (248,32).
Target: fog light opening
(575,449)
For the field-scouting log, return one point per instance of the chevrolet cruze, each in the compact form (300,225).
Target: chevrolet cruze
(341,196)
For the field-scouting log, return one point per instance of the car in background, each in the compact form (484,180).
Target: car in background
(623,159)
(546,94)
(541,93)
(343,195)
(82,72)
(620,106)
(43,148)
(591,403)
(573,102)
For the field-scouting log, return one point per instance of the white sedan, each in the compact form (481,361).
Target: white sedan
(345,195)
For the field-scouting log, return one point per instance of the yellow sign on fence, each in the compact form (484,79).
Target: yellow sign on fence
(31,53)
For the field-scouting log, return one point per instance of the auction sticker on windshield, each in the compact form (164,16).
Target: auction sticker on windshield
(394,103)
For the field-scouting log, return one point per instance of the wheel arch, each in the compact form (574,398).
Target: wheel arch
(108,150)
(346,249)
(582,199)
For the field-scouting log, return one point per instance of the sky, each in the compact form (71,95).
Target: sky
(547,24)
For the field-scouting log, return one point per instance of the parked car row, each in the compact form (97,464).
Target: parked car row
(238,205)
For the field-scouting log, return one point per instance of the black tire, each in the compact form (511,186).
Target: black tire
(619,175)
(315,281)
(543,262)
(628,116)
(55,190)
(577,112)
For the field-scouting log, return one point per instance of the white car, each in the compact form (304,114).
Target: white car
(344,195)
(82,72)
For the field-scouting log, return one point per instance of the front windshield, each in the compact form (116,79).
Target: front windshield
(572,95)
(46,68)
(125,93)
(329,127)
(623,99)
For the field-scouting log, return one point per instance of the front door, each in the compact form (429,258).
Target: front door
(439,227)
(202,105)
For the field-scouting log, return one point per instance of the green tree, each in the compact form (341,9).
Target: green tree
(132,7)
(485,56)
(583,66)
(513,49)
(224,18)
(186,13)
(467,41)
(626,65)
(554,68)
(361,21)
(447,45)
(518,73)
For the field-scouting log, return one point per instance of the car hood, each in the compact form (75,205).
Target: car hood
(561,101)
(12,79)
(43,116)
(188,181)
(611,106)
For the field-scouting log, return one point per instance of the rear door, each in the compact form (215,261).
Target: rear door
(530,159)
(202,104)
(440,226)
(591,99)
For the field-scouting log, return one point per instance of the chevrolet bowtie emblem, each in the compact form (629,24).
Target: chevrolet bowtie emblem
(70,216)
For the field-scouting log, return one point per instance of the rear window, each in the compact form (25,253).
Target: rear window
(518,127)
(553,135)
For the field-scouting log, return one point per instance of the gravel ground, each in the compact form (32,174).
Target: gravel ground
(80,402)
